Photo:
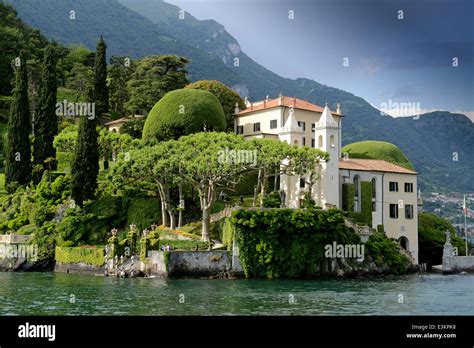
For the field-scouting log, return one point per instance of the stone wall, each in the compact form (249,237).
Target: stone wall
(78,268)
(191,263)
(457,264)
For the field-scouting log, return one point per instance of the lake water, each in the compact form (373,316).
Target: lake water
(52,294)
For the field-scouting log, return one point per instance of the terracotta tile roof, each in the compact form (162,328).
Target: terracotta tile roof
(122,120)
(373,166)
(283,101)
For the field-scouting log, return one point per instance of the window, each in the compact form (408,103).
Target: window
(394,211)
(320,141)
(393,186)
(256,127)
(273,124)
(303,142)
(302,125)
(302,183)
(408,211)
(240,129)
(313,143)
(331,141)
(374,206)
(408,187)
(313,127)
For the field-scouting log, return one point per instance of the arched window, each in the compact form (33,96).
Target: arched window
(356,193)
(331,141)
(295,142)
(320,141)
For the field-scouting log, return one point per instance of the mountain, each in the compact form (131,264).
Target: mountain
(142,27)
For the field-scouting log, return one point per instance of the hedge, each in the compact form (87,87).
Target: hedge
(178,244)
(93,256)
(348,192)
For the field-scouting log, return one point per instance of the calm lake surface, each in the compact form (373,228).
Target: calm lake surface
(51,294)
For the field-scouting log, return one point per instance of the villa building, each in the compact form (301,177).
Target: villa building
(387,190)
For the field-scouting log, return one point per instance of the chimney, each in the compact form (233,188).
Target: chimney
(338,109)
(280,98)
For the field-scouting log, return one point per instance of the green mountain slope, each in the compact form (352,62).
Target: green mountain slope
(142,27)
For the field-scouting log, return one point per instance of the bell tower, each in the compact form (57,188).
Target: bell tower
(327,139)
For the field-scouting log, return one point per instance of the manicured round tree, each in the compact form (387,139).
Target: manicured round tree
(379,150)
(227,97)
(182,112)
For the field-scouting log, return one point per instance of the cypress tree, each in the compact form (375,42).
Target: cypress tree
(101,92)
(46,122)
(85,166)
(17,150)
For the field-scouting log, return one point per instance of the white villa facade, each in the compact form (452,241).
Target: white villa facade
(394,188)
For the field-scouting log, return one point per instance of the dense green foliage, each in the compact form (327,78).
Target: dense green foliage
(348,192)
(101,92)
(379,150)
(385,251)
(92,256)
(431,238)
(15,35)
(272,200)
(364,216)
(228,233)
(46,121)
(85,166)
(18,151)
(153,77)
(227,97)
(288,243)
(182,112)
(120,72)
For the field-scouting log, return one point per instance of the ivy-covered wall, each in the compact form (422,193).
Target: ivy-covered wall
(364,216)
(92,256)
(348,192)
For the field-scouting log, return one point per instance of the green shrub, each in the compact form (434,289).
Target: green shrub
(92,256)
(380,228)
(42,214)
(385,250)
(272,200)
(228,232)
(182,112)
(175,244)
(144,212)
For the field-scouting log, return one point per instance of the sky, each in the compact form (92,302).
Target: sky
(366,47)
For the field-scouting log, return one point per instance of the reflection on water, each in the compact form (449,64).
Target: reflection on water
(66,294)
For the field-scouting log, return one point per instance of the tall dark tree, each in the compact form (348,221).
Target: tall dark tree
(17,150)
(85,165)
(101,92)
(120,72)
(46,121)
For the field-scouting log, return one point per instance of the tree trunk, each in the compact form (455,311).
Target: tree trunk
(257,188)
(206,222)
(263,188)
(172,220)
(164,214)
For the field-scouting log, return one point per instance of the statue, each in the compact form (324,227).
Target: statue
(448,237)
(282,198)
